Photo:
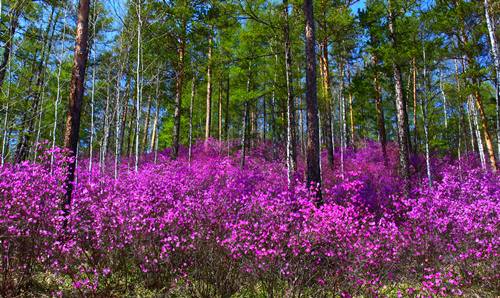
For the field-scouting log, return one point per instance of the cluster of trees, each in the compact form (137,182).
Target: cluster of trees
(162,73)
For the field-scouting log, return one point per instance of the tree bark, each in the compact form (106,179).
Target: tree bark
(313,150)
(146,126)
(496,62)
(219,114)
(226,119)
(75,102)
(292,138)
(119,121)
(404,160)
(8,44)
(190,136)
(328,113)
(245,116)
(178,100)
(380,108)
(208,120)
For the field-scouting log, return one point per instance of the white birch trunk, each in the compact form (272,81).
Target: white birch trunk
(478,132)
(138,83)
(496,61)
(426,123)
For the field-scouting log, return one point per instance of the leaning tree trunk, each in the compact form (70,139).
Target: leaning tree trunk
(313,152)
(75,103)
(404,160)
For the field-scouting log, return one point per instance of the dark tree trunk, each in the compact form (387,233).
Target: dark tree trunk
(146,127)
(380,109)
(8,45)
(313,152)
(75,101)
(245,116)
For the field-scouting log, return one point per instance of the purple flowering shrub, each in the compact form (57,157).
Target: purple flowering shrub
(204,228)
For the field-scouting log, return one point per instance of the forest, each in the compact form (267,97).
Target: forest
(249,148)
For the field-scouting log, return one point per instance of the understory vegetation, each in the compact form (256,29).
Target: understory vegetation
(205,228)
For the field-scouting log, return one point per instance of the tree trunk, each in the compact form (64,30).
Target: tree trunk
(8,44)
(380,109)
(7,110)
(75,102)
(350,101)
(426,122)
(226,119)
(219,114)
(496,62)
(139,89)
(119,121)
(178,101)
(146,126)
(313,150)
(404,160)
(190,136)
(245,116)
(328,113)
(472,108)
(154,138)
(292,139)
(131,130)
(208,120)
(415,126)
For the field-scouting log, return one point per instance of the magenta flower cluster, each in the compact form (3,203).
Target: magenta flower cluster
(205,228)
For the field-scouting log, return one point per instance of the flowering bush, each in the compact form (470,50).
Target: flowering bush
(205,228)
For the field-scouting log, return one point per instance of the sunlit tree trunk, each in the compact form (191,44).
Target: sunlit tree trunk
(426,122)
(496,62)
(208,120)
(139,88)
(404,160)
(75,102)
